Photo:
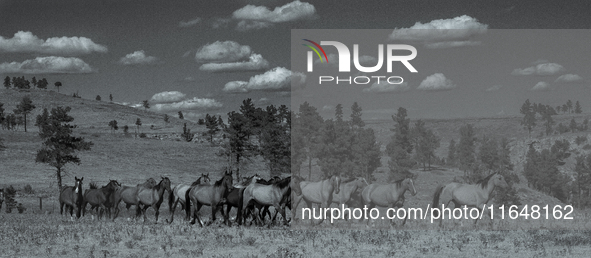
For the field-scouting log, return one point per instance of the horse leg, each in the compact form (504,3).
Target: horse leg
(227,218)
(62,208)
(196,215)
(309,205)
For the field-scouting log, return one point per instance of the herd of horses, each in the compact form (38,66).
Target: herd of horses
(253,196)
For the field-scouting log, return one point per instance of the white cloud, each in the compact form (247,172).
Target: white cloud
(137,58)
(541,86)
(258,17)
(252,25)
(256,62)
(236,87)
(226,51)
(26,42)
(443,33)
(542,69)
(436,82)
(276,79)
(185,24)
(495,88)
(168,96)
(47,65)
(569,78)
(189,104)
(385,87)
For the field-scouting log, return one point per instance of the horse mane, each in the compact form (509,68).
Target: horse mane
(484,182)
(284,182)
(263,182)
(348,180)
(93,185)
(399,182)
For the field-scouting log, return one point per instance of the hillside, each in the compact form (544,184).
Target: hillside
(115,155)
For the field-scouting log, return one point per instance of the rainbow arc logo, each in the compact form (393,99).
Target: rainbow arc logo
(315,50)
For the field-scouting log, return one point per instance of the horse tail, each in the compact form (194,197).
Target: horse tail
(188,202)
(436,196)
(171,199)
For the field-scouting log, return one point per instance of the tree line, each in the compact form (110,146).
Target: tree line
(22,83)
(532,113)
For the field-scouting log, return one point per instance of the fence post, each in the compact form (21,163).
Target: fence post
(40,203)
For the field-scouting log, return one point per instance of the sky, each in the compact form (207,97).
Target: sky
(207,56)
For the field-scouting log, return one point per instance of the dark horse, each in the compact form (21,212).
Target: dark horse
(72,196)
(234,199)
(210,195)
(178,195)
(152,197)
(100,198)
(267,195)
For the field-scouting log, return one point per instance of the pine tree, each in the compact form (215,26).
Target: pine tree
(356,115)
(25,107)
(578,109)
(59,146)
(7,82)
(400,146)
(451,152)
(211,124)
(181,115)
(529,119)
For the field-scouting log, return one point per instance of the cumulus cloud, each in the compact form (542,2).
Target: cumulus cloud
(256,62)
(327,108)
(252,25)
(276,79)
(259,17)
(47,65)
(443,33)
(436,82)
(541,86)
(494,88)
(542,69)
(569,78)
(385,87)
(168,96)
(189,104)
(137,58)
(226,51)
(185,24)
(26,42)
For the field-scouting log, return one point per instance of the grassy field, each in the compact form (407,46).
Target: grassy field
(46,233)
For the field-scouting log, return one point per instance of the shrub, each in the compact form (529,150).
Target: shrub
(143,135)
(580,139)
(28,189)
(586,147)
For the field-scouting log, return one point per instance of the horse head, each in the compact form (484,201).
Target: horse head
(78,185)
(227,181)
(295,185)
(499,180)
(165,182)
(336,183)
(410,185)
(205,178)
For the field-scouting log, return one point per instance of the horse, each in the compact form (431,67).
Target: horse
(152,197)
(264,209)
(320,192)
(100,198)
(128,194)
(234,198)
(347,189)
(71,196)
(470,195)
(274,194)
(387,195)
(210,195)
(178,195)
